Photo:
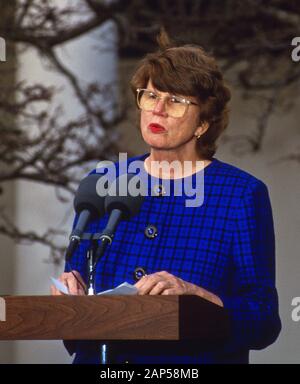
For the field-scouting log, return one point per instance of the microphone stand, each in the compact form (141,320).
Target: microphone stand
(91,270)
(96,251)
(90,255)
(99,242)
(92,263)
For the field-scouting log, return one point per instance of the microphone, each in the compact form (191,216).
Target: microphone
(120,205)
(88,205)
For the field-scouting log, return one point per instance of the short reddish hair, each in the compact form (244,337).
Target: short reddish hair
(189,71)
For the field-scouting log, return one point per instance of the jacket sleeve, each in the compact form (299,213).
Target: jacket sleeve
(253,302)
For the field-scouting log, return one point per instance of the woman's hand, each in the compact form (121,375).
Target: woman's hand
(73,281)
(164,283)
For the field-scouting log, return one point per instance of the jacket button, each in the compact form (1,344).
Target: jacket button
(150,231)
(138,273)
(159,190)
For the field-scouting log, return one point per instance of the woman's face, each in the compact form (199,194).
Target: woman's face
(161,131)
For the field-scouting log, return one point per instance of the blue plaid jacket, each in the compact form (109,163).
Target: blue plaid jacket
(226,246)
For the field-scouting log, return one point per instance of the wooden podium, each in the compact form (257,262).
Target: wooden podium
(112,318)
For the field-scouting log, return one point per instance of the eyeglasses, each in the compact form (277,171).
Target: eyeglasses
(175,106)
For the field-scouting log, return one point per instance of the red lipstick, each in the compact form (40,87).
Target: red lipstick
(156,128)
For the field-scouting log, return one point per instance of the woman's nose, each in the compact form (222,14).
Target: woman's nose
(160,108)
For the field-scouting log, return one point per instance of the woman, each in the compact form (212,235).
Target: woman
(222,249)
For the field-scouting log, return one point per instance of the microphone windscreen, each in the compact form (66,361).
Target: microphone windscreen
(87,197)
(126,193)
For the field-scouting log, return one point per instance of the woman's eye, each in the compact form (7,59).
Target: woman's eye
(174,100)
(152,96)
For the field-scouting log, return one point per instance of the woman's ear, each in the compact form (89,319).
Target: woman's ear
(203,127)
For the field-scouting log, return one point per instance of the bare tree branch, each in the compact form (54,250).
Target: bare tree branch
(251,39)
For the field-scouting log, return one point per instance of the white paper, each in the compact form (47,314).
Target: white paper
(122,289)
(60,286)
